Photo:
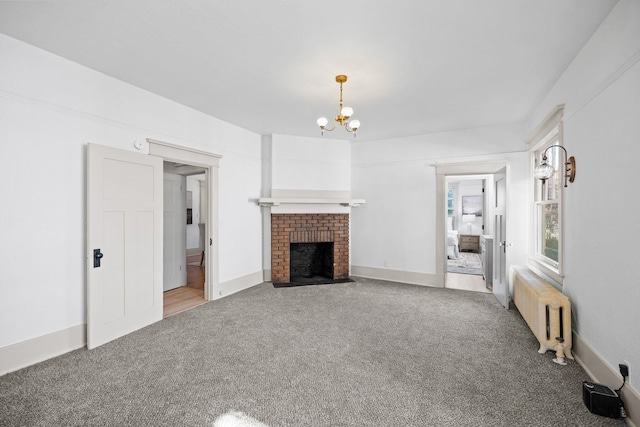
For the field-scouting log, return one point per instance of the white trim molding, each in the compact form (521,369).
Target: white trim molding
(309,201)
(410,277)
(553,119)
(270,201)
(179,153)
(442,172)
(39,349)
(211,163)
(239,284)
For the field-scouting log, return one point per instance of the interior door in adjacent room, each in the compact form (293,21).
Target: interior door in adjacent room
(500,276)
(124,242)
(175,233)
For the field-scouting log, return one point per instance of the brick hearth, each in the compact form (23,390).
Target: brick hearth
(306,228)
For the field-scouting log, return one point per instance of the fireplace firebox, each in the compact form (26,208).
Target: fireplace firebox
(311,260)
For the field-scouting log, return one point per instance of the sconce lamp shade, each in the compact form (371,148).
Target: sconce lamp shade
(544,171)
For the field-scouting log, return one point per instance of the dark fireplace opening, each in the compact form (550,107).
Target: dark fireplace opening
(310,261)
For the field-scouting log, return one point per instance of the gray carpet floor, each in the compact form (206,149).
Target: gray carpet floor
(368,353)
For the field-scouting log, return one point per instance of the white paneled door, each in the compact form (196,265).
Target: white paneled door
(124,242)
(175,232)
(500,277)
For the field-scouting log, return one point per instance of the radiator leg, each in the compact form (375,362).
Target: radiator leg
(560,353)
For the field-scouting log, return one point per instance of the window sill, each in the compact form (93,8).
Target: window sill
(547,272)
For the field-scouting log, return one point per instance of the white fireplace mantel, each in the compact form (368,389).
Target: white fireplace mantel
(271,201)
(309,200)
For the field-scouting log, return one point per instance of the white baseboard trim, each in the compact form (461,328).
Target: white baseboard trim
(423,279)
(601,372)
(240,283)
(29,352)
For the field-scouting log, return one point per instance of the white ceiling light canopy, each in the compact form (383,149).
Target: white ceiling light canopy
(342,118)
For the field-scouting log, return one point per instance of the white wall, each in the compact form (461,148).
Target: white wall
(396,229)
(50,108)
(300,163)
(601,93)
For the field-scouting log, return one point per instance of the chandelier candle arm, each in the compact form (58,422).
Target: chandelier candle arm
(343,117)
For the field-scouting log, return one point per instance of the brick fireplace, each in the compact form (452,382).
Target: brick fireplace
(321,228)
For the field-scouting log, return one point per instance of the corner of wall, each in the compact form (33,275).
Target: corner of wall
(409,277)
(239,284)
(600,371)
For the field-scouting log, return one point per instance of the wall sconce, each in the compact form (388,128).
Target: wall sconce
(544,170)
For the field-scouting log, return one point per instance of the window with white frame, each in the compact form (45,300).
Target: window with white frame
(546,237)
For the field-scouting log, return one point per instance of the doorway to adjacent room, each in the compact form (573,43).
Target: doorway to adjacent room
(496,175)
(184,242)
(466,212)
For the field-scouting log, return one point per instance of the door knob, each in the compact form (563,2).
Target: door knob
(97,256)
(504,245)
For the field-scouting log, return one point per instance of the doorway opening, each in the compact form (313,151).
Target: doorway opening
(184,269)
(495,219)
(467,235)
(203,166)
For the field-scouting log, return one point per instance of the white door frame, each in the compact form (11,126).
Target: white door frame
(442,171)
(210,162)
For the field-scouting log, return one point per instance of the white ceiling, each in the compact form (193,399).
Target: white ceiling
(414,66)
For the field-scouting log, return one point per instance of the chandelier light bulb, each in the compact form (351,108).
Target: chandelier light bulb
(347,111)
(322,122)
(354,124)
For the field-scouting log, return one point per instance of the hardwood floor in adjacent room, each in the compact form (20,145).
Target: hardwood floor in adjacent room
(189,296)
(466,282)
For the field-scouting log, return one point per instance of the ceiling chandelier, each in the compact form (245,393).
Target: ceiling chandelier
(343,117)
